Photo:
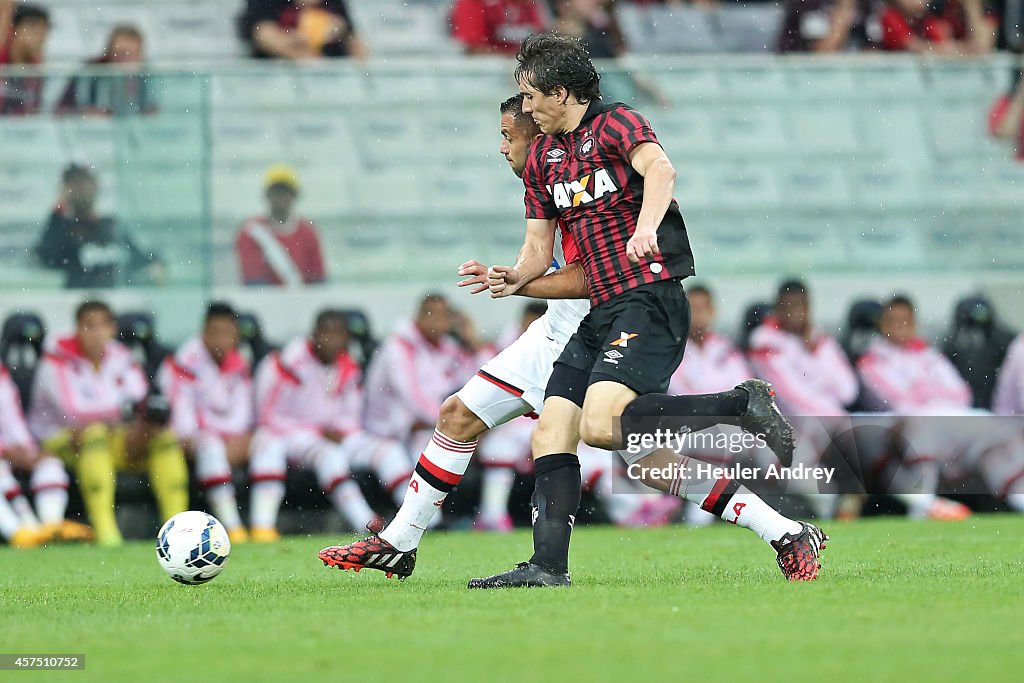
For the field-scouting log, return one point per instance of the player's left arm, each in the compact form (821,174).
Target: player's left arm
(568,282)
(651,162)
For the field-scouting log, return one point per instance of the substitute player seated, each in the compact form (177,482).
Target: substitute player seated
(89,408)
(309,414)
(208,384)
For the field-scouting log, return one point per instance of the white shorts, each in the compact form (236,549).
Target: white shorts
(513,382)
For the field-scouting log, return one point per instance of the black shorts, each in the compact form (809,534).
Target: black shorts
(636,339)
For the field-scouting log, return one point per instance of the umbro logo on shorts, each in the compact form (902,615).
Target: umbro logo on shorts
(612,357)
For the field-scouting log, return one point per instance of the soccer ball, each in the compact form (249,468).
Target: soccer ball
(192,547)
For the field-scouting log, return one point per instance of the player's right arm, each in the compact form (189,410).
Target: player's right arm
(568,282)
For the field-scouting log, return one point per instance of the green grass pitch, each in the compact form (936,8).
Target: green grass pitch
(897,601)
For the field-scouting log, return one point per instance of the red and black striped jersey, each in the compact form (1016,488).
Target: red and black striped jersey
(585,179)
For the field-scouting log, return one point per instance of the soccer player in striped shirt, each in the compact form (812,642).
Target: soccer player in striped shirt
(601,173)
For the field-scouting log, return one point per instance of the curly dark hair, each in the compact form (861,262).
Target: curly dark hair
(551,60)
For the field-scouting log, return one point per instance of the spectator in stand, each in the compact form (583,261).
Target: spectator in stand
(126,92)
(89,408)
(594,23)
(208,384)
(1006,117)
(1009,395)
(22,43)
(309,411)
(90,249)
(300,29)
(825,25)
(903,374)
(496,26)
(952,27)
(280,248)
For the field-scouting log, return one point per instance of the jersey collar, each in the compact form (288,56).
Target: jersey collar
(593,109)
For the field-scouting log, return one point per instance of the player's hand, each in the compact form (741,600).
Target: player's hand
(642,245)
(476,276)
(20,457)
(333,435)
(503,281)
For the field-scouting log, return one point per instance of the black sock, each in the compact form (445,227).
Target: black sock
(556,498)
(696,411)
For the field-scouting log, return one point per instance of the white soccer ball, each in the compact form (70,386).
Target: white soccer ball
(192,547)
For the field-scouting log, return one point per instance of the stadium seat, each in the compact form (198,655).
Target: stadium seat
(65,42)
(752,319)
(821,129)
(390,192)
(861,326)
(977,343)
(90,140)
(320,137)
(756,84)
(385,141)
(959,79)
(269,88)
(886,186)
(816,186)
(892,78)
(196,30)
(21,348)
(244,137)
(27,196)
(162,192)
(680,29)
(689,133)
(751,130)
(807,242)
(336,89)
(396,27)
(30,140)
(882,241)
(252,344)
(689,86)
(747,186)
(163,138)
(748,28)
(326,188)
(636,25)
(137,331)
(816,80)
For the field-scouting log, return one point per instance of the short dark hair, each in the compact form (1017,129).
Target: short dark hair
(92,306)
(75,172)
(431,298)
(513,106)
(221,309)
(29,13)
(900,300)
(793,286)
(551,60)
(328,316)
(699,289)
(535,308)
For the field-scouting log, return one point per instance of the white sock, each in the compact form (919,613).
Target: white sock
(23,509)
(265,501)
(918,504)
(225,508)
(439,470)
(51,504)
(696,517)
(728,500)
(9,522)
(348,499)
(494,492)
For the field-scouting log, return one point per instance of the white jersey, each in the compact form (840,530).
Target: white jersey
(13,428)
(408,380)
(563,317)
(711,367)
(70,392)
(296,393)
(207,398)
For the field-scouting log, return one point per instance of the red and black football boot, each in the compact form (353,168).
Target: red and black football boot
(798,553)
(372,552)
(764,417)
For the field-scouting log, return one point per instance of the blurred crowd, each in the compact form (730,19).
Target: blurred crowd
(228,408)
